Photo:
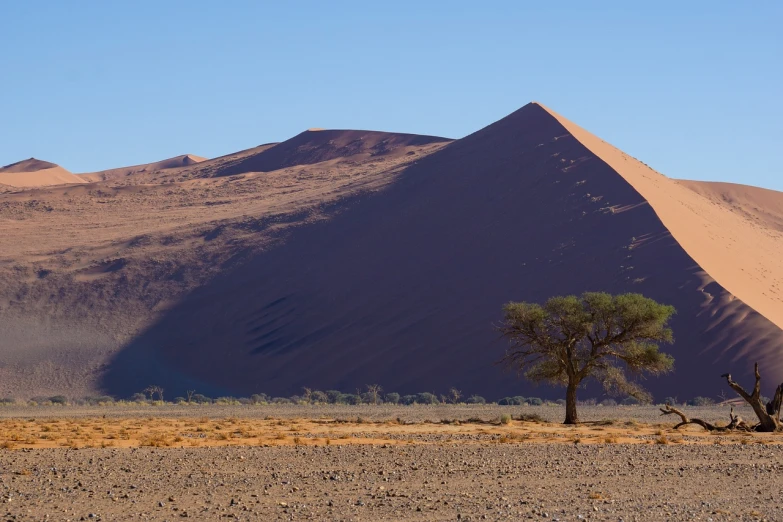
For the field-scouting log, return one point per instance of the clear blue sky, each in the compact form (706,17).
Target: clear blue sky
(695,89)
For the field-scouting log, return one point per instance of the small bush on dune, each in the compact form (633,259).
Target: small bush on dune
(535,401)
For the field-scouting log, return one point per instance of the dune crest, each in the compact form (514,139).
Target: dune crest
(320,145)
(33,173)
(733,232)
(184,160)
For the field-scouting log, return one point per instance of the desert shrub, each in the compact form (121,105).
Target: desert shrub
(700,401)
(201,399)
(138,397)
(59,399)
(629,401)
(408,399)
(534,401)
(608,402)
(476,399)
(587,402)
(512,401)
(560,402)
(427,398)
(319,396)
(530,417)
(349,398)
(392,398)
(180,400)
(333,395)
(281,400)
(245,401)
(227,400)
(259,398)
(505,418)
(101,399)
(671,400)
(7,400)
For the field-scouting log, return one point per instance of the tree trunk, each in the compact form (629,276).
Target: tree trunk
(571,417)
(768,415)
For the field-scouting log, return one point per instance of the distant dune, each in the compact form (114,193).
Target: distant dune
(341,258)
(319,145)
(171,163)
(33,173)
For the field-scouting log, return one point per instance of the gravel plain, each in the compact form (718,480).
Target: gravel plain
(430,480)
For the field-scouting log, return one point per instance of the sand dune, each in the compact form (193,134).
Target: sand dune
(318,145)
(171,163)
(401,288)
(32,173)
(341,258)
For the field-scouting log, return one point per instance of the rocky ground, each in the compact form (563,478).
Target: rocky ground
(466,482)
(429,476)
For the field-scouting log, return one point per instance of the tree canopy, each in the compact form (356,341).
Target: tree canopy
(569,339)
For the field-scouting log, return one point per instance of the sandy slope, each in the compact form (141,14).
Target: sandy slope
(35,173)
(734,232)
(84,268)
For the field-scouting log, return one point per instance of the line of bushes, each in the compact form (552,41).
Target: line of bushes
(373,396)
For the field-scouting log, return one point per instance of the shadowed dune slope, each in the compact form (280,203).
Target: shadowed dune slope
(401,288)
(33,172)
(170,163)
(315,146)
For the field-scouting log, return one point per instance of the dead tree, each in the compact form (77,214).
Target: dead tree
(768,414)
(374,393)
(154,389)
(735,422)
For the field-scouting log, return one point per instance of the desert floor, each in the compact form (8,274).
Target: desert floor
(380,463)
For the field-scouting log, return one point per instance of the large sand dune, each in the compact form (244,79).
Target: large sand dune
(35,173)
(341,258)
(402,288)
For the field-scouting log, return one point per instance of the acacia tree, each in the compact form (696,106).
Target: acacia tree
(570,339)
